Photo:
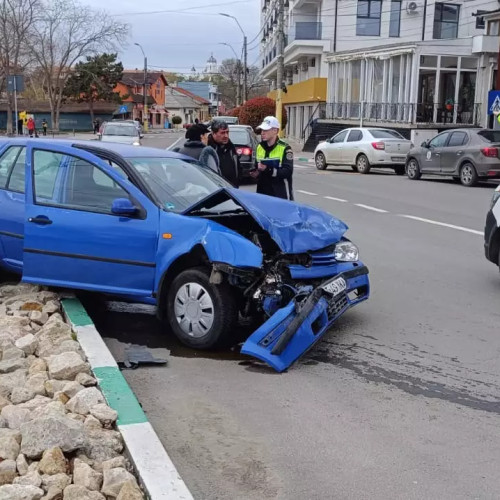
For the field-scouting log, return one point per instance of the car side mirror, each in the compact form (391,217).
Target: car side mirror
(425,144)
(123,206)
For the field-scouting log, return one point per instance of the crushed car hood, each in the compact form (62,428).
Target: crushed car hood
(294,227)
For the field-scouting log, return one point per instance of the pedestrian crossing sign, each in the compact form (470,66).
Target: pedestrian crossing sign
(494,102)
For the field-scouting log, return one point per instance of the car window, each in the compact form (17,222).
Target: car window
(439,141)
(45,169)
(489,135)
(457,139)
(239,136)
(355,136)
(123,130)
(340,137)
(6,162)
(17,176)
(385,134)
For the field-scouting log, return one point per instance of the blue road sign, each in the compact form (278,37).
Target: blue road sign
(18,80)
(494,102)
(123,109)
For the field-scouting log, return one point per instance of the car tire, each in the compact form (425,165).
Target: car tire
(468,174)
(400,170)
(320,161)
(363,165)
(201,314)
(413,170)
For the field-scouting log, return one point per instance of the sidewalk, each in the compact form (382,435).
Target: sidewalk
(299,155)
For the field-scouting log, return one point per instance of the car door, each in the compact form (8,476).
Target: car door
(431,162)
(72,237)
(352,147)
(12,166)
(453,152)
(333,150)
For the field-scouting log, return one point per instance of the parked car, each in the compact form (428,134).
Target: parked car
(150,227)
(492,230)
(245,141)
(467,155)
(230,120)
(122,132)
(364,148)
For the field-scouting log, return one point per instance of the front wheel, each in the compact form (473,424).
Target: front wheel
(201,314)
(362,164)
(468,175)
(413,170)
(400,170)
(320,161)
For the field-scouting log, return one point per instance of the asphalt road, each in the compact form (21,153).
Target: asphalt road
(399,401)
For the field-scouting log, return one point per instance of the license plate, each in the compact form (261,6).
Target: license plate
(335,287)
(398,158)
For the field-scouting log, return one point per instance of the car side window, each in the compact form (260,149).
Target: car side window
(17,176)
(439,141)
(45,169)
(6,162)
(340,137)
(457,139)
(355,136)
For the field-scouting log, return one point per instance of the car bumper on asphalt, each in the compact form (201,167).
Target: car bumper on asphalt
(295,328)
(381,158)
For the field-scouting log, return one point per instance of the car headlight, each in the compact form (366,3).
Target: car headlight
(346,251)
(136,143)
(496,195)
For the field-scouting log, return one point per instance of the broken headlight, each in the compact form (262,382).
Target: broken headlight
(346,251)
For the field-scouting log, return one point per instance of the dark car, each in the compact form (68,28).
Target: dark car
(245,141)
(467,155)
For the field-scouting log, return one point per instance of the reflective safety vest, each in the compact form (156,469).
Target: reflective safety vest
(275,154)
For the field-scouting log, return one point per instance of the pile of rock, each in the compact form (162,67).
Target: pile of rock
(57,436)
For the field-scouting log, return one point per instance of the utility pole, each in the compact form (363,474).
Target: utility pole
(245,70)
(145,105)
(238,86)
(280,62)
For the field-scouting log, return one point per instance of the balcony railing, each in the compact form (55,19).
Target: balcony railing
(305,31)
(404,113)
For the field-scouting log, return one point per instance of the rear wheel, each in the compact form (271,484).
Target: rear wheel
(362,164)
(320,161)
(400,170)
(413,170)
(201,314)
(468,175)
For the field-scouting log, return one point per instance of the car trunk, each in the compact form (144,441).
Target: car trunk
(396,146)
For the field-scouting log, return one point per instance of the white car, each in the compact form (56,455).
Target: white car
(364,148)
(122,132)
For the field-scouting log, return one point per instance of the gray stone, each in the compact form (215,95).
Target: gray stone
(53,462)
(33,466)
(53,332)
(102,444)
(54,386)
(13,352)
(53,408)
(92,423)
(59,481)
(61,396)
(27,344)
(35,327)
(31,478)
(83,401)
(5,433)
(115,462)
(22,465)
(47,349)
(45,296)
(66,366)
(37,383)
(14,327)
(38,366)
(11,365)
(10,380)
(114,479)
(8,471)
(76,416)
(15,416)
(50,432)
(4,402)
(130,491)
(9,448)
(56,317)
(39,317)
(53,493)
(36,402)
(85,379)
(74,492)
(22,395)
(18,289)
(72,388)
(51,307)
(84,475)
(106,415)
(20,492)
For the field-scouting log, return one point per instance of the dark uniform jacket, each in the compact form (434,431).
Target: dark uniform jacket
(229,161)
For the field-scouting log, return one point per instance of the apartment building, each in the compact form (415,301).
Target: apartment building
(409,64)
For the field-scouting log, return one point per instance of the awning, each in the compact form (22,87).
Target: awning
(124,108)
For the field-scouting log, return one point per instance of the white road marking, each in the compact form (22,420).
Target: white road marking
(306,192)
(373,209)
(335,199)
(443,224)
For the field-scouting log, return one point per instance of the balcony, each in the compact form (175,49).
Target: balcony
(312,90)
(488,44)
(305,31)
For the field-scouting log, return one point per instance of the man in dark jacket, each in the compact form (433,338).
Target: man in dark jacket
(274,162)
(194,145)
(229,161)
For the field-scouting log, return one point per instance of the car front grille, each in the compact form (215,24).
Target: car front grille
(337,305)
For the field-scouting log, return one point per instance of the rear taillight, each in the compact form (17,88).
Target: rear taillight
(490,152)
(380,146)
(244,152)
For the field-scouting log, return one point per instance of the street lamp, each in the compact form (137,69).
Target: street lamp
(245,92)
(238,72)
(145,110)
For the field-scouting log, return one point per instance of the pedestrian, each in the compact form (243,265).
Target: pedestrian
(96,126)
(196,121)
(197,147)
(274,162)
(44,126)
(31,126)
(229,161)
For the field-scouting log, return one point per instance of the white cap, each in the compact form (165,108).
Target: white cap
(269,122)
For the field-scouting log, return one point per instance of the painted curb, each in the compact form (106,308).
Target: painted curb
(308,160)
(156,471)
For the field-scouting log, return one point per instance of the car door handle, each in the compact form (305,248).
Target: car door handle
(41,219)
(460,153)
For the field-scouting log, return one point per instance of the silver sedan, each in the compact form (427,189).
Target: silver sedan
(364,148)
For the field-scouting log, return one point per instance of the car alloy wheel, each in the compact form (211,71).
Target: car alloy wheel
(320,161)
(194,309)
(468,175)
(362,164)
(413,170)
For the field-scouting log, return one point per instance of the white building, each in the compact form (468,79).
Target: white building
(410,64)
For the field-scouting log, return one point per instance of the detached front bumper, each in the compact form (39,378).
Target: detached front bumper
(295,328)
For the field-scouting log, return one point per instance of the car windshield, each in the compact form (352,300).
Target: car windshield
(385,134)
(239,136)
(490,135)
(123,130)
(178,184)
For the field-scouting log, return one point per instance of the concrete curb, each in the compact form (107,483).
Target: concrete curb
(154,467)
(308,160)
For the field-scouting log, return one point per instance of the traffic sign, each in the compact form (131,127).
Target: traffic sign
(15,83)
(494,102)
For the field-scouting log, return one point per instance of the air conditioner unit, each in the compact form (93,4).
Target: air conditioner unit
(412,7)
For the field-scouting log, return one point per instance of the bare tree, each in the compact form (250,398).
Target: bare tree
(16,20)
(66,32)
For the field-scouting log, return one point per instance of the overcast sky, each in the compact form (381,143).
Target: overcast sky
(175,41)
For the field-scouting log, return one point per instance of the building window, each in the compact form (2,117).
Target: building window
(446,20)
(480,19)
(493,28)
(368,18)
(395,20)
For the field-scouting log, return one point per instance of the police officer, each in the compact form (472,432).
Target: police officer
(273,178)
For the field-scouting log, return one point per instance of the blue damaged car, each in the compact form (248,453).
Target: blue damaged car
(151,226)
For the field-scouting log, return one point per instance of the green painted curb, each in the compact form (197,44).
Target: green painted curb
(76,312)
